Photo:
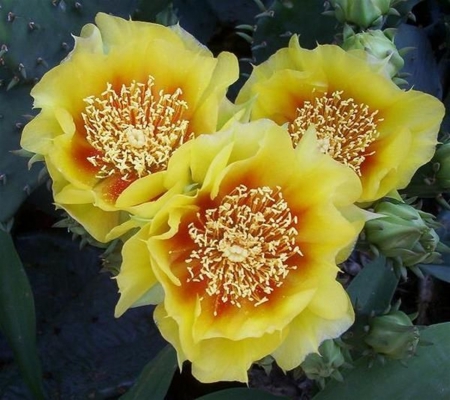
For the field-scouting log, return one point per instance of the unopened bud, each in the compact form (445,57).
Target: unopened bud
(404,233)
(442,157)
(380,47)
(393,335)
(362,13)
(326,364)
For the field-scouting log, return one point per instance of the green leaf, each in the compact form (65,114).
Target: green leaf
(241,394)
(372,289)
(155,378)
(426,375)
(17,317)
(439,271)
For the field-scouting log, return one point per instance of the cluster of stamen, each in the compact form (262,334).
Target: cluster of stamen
(345,128)
(134,130)
(243,246)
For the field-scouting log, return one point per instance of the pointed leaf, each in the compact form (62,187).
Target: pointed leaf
(373,288)
(241,394)
(17,317)
(155,378)
(439,271)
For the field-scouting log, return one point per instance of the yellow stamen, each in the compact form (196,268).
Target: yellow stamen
(243,245)
(134,130)
(345,128)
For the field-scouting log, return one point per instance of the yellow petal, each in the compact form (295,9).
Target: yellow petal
(218,359)
(38,134)
(136,276)
(115,56)
(306,333)
(294,79)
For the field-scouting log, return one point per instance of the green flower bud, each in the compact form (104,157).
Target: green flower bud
(326,364)
(393,335)
(363,13)
(442,158)
(380,46)
(404,233)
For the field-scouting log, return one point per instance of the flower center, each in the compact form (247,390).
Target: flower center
(134,130)
(345,128)
(243,245)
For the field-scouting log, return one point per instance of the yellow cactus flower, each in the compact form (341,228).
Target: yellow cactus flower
(243,265)
(362,118)
(114,111)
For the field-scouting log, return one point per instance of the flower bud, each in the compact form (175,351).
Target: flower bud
(363,13)
(404,233)
(393,335)
(442,157)
(380,46)
(326,364)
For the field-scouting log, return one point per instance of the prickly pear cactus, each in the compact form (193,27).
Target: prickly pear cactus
(276,25)
(35,35)
(16,182)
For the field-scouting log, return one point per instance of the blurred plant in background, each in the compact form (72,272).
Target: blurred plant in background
(380,71)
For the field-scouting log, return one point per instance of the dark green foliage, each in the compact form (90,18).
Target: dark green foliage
(37,33)
(155,378)
(85,352)
(17,317)
(16,182)
(241,394)
(425,377)
(275,26)
(372,289)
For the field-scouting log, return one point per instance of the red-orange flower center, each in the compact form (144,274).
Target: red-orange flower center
(345,128)
(243,246)
(134,130)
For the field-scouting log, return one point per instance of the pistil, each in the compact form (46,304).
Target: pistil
(244,246)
